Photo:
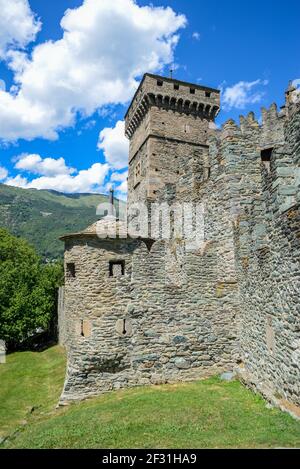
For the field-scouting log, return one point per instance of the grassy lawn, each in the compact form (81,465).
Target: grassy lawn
(206,414)
(29,380)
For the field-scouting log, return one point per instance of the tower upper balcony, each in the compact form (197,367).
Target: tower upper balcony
(171,94)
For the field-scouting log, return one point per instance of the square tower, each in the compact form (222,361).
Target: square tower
(167,124)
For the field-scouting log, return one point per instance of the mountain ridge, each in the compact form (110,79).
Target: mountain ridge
(42,216)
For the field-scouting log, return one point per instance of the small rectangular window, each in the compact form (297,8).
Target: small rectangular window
(71,271)
(192,90)
(160,83)
(116,268)
(137,174)
(176,87)
(85,328)
(207,94)
(270,334)
(266,156)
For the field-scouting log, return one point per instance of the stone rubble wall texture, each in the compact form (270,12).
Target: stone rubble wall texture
(268,261)
(181,314)
(61,317)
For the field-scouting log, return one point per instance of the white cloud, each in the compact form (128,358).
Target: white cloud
(2,85)
(18,25)
(115,145)
(56,175)
(196,36)
(17,181)
(243,93)
(122,178)
(119,177)
(88,180)
(123,187)
(106,46)
(35,164)
(3,173)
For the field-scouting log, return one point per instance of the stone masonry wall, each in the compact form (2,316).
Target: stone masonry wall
(268,257)
(177,330)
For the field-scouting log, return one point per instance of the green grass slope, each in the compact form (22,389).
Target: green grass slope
(206,414)
(43,216)
(29,380)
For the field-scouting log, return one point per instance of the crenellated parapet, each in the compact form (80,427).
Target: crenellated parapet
(171,95)
(266,132)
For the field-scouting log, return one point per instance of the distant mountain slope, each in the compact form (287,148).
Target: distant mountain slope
(42,216)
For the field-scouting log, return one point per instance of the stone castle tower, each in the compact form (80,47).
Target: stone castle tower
(168,124)
(143,310)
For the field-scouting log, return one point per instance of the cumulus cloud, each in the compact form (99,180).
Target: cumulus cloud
(54,174)
(243,93)
(123,187)
(196,36)
(115,145)
(106,46)
(35,164)
(17,181)
(3,173)
(119,178)
(18,25)
(87,180)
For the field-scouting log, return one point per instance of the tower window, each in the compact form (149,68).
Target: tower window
(270,333)
(137,173)
(160,83)
(176,87)
(124,327)
(207,94)
(192,90)
(71,271)
(116,268)
(266,156)
(85,328)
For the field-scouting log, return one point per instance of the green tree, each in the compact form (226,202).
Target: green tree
(27,291)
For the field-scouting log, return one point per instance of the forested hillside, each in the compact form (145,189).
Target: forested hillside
(43,216)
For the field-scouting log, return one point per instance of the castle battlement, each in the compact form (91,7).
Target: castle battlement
(171,95)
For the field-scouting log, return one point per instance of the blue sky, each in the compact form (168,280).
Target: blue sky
(64,95)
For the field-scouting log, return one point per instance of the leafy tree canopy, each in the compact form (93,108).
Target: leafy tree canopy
(28,291)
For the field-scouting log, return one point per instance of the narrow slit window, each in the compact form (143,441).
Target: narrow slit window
(71,270)
(116,268)
(160,83)
(207,94)
(176,87)
(192,90)
(81,328)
